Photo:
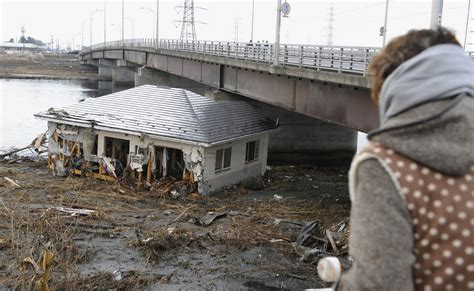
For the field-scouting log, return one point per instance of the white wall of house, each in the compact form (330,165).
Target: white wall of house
(239,168)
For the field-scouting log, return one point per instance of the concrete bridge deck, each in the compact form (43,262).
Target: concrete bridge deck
(325,82)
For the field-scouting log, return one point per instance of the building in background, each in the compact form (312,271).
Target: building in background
(16,47)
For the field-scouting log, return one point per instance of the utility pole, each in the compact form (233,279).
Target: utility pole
(123,21)
(436,14)
(276,50)
(253,16)
(236,29)
(385,24)
(23,37)
(330,25)
(467,23)
(105,21)
(157,23)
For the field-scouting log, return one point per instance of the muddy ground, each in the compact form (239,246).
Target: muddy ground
(141,240)
(44,66)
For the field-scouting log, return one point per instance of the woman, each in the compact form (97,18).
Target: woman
(412,188)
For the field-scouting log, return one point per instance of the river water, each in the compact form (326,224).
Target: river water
(20,99)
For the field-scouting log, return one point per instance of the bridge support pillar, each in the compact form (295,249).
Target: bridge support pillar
(105,73)
(149,76)
(301,139)
(123,75)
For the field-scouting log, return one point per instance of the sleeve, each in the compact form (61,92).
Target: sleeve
(381,239)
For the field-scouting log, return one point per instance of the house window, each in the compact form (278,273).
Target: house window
(251,153)
(223,157)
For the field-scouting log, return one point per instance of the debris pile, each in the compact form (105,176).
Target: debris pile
(314,242)
(36,151)
(102,234)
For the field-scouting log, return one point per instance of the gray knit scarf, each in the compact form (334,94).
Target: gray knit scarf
(439,72)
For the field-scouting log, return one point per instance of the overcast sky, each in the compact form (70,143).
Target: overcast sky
(356,23)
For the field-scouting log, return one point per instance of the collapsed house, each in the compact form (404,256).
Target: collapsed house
(148,133)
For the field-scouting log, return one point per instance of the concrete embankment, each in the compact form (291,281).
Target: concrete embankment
(39,66)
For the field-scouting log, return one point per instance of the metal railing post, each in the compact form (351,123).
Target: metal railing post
(301,56)
(341,51)
(366,57)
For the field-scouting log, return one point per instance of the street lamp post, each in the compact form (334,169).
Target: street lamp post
(436,14)
(153,17)
(276,49)
(467,23)
(385,24)
(105,21)
(123,19)
(90,24)
(253,15)
(157,22)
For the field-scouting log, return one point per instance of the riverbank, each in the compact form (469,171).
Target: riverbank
(103,236)
(37,66)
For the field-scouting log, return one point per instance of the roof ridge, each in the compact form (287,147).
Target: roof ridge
(192,108)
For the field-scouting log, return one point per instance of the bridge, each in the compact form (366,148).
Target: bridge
(328,83)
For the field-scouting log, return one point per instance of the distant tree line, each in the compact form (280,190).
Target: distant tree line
(29,39)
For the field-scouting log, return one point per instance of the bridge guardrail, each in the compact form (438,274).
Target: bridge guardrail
(338,59)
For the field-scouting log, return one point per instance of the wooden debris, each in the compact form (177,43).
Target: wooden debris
(75,211)
(333,243)
(38,141)
(179,216)
(13,183)
(210,217)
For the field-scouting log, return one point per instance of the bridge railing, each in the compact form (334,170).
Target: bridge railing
(338,59)
(329,58)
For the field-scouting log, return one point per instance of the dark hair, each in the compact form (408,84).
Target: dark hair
(402,49)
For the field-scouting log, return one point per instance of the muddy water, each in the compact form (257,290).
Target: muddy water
(21,98)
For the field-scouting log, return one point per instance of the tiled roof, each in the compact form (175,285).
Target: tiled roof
(166,112)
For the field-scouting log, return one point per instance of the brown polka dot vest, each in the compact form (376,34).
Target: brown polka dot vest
(442,212)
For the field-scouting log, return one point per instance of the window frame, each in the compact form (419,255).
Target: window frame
(222,167)
(256,151)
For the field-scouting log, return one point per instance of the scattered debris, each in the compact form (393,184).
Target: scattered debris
(41,271)
(307,254)
(277,197)
(258,229)
(33,151)
(311,232)
(13,183)
(75,211)
(179,216)
(331,240)
(209,217)
(117,275)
